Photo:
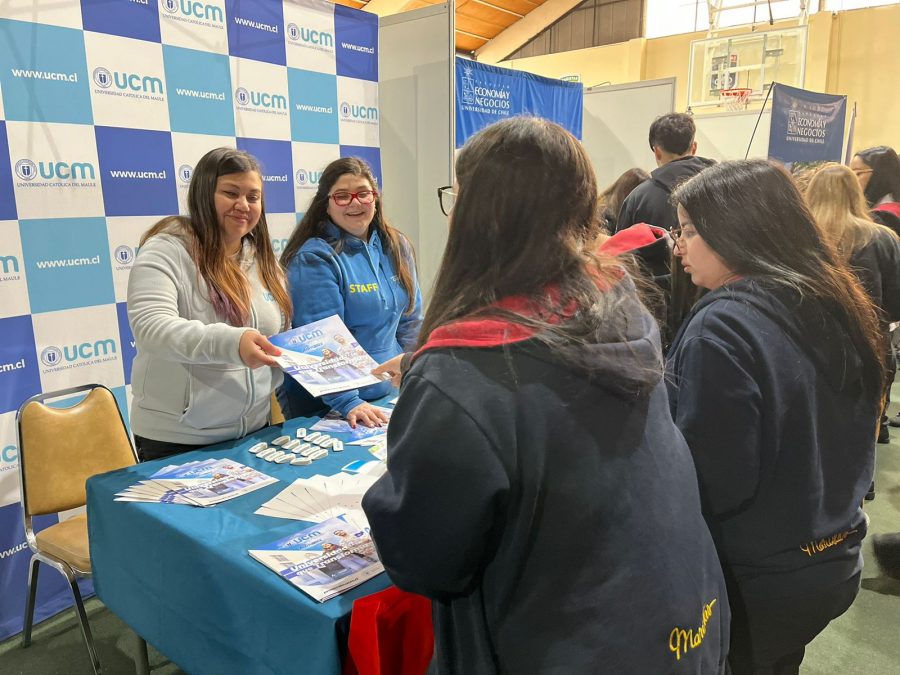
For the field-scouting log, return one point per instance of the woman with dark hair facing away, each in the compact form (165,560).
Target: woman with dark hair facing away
(537,490)
(610,201)
(872,251)
(204,292)
(775,380)
(878,171)
(344,258)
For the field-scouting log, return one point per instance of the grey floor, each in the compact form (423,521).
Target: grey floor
(864,641)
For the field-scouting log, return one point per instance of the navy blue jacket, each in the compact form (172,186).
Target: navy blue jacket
(549,510)
(361,286)
(650,202)
(780,416)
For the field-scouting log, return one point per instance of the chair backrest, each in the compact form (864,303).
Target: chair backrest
(60,448)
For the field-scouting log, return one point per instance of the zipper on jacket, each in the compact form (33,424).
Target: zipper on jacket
(377,278)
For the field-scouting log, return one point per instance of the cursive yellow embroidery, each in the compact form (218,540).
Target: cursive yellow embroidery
(814,547)
(681,640)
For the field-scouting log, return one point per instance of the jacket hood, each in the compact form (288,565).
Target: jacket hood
(648,243)
(628,367)
(814,327)
(674,173)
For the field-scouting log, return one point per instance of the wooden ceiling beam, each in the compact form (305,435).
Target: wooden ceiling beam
(523,30)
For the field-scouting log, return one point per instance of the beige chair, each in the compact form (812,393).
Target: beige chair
(59,449)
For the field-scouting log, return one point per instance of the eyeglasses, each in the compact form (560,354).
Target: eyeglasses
(860,172)
(680,235)
(447,199)
(344,198)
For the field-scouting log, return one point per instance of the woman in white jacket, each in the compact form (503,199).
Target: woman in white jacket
(204,292)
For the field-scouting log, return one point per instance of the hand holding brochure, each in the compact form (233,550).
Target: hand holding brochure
(324,560)
(324,357)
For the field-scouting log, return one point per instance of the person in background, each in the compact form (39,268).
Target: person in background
(878,171)
(872,251)
(775,379)
(673,145)
(610,201)
(204,292)
(537,490)
(344,258)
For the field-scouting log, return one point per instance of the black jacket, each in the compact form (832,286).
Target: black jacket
(878,267)
(649,202)
(780,416)
(550,511)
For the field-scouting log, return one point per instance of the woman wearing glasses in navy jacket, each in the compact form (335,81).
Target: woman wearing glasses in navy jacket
(344,258)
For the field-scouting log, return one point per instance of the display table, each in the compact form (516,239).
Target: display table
(181,577)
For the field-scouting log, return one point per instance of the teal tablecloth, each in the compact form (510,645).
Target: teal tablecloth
(181,577)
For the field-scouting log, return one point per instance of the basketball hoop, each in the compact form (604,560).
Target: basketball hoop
(735,99)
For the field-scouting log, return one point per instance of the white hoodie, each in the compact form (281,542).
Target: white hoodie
(188,381)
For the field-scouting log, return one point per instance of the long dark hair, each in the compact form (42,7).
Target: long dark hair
(314,220)
(750,213)
(612,197)
(885,179)
(229,289)
(522,225)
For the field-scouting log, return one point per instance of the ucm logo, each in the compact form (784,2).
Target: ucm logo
(260,98)
(305,177)
(196,10)
(297,33)
(28,170)
(122,80)
(124,254)
(54,356)
(359,112)
(185,171)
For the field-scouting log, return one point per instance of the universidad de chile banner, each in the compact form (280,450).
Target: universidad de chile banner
(487,94)
(806,126)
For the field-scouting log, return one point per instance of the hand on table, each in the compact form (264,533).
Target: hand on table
(367,415)
(255,350)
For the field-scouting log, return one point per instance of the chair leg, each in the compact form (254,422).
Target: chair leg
(141,660)
(31,593)
(83,621)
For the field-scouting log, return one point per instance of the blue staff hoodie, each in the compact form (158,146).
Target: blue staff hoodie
(361,285)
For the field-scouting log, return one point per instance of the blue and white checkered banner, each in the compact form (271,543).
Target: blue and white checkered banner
(105,107)
(806,126)
(486,94)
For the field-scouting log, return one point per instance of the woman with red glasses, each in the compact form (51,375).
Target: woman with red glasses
(344,258)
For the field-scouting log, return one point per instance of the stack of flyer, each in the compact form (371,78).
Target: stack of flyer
(324,357)
(201,483)
(326,559)
(319,498)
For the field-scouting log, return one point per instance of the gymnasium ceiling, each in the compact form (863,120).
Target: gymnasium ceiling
(477,21)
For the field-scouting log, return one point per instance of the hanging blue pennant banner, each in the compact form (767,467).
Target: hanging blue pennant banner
(487,94)
(806,126)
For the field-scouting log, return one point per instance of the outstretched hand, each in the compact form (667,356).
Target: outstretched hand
(390,367)
(255,350)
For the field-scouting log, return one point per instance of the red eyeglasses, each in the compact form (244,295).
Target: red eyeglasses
(343,198)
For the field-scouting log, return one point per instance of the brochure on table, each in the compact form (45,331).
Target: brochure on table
(199,483)
(326,559)
(324,357)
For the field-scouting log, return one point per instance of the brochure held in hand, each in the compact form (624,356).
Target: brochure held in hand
(324,357)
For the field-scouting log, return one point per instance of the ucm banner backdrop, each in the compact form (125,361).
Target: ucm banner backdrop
(806,126)
(486,94)
(106,106)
